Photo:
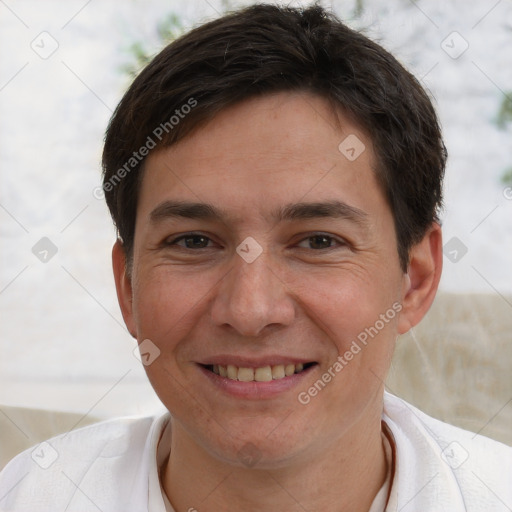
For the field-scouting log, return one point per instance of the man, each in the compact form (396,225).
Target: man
(275,179)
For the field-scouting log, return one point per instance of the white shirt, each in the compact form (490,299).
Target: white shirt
(113,466)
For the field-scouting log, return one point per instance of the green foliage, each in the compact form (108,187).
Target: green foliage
(505,113)
(506,179)
(358,9)
(505,117)
(169,29)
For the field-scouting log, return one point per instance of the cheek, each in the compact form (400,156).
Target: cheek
(165,304)
(359,318)
(347,300)
(166,307)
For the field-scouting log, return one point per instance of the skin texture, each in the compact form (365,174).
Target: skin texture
(302,298)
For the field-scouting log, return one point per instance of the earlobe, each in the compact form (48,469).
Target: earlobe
(123,286)
(422,278)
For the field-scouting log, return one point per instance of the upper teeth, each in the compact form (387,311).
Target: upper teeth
(263,374)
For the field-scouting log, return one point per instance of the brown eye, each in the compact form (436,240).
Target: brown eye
(319,241)
(191,241)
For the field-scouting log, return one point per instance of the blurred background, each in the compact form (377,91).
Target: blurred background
(63,68)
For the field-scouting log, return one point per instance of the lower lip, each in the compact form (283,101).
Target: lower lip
(256,390)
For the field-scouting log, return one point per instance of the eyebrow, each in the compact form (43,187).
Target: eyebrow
(295,211)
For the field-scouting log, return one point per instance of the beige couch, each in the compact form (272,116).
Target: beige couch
(456,366)
(21,428)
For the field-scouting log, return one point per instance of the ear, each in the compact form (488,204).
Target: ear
(123,286)
(422,278)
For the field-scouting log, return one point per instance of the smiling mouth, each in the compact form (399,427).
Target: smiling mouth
(262,374)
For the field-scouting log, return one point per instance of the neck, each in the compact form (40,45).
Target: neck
(348,472)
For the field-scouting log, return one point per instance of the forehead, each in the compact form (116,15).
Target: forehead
(264,153)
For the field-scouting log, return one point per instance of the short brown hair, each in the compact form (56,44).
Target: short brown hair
(264,49)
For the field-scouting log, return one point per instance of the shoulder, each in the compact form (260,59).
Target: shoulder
(466,470)
(82,469)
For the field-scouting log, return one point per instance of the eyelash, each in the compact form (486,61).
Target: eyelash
(200,235)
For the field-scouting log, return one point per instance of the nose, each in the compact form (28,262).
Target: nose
(252,298)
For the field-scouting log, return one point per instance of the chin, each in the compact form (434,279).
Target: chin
(266,447)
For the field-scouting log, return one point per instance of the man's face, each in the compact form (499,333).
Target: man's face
(277,280)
